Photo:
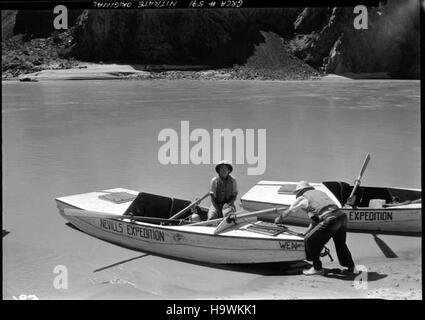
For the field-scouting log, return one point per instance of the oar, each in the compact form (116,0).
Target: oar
(178,214)
(107,215)
(225,223)
(357,181)
(204,223)
(212,221)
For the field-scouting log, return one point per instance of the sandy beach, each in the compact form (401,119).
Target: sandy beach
(86,71)
(96,71)
(388,268)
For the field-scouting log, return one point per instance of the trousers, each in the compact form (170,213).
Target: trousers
(213,213)
(334,227)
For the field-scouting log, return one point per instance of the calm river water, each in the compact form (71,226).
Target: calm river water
(64,137)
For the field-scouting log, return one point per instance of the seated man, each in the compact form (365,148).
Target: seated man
(223,191)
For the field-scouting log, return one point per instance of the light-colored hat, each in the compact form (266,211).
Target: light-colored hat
(302,185)
(223,163)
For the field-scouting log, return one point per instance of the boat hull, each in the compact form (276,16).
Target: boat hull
(405,219)
(198,243)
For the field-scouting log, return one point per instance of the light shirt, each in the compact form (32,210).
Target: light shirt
(223,189)
(300,205)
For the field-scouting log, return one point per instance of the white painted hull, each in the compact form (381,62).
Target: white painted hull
(237,245)
(403,219)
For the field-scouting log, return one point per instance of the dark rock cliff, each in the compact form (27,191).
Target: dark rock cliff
(390,44)
(8,21)
(39,23)
(324,38)
(213,37)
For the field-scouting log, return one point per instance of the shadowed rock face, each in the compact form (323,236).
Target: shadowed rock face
(39,23)
(214,37)
(390,44)
(8,20)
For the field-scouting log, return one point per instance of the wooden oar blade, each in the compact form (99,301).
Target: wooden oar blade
(223,225)
(357,181)
(365,163)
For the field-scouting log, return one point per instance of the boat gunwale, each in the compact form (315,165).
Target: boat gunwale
(191,244)
(277,183)
(172,228)
(351,209)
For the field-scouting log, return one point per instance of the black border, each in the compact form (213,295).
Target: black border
(156,309)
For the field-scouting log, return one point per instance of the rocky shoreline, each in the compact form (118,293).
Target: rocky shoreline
(84,72)
(21,57)
(249,44)
(47,58)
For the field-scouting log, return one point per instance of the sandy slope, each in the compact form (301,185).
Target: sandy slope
(86,72)
(389,268)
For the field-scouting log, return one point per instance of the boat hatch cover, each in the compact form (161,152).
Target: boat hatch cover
(118,197)
(270,229)
(287,188)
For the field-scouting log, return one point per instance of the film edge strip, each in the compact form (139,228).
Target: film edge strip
(181,4)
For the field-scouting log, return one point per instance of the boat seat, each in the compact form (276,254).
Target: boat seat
(405,195)
(152,205)
(370,193)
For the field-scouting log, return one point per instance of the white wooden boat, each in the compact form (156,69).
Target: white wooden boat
(375,209)
(105,215)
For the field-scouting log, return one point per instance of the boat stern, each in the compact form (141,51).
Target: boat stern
(114,201)
(269,194)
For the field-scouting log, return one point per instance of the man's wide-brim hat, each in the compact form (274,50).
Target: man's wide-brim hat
(223,163)
(302,185)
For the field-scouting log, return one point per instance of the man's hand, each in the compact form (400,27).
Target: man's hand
(278,220)
(227,209)
(231,218)
(282,216)
(351,201)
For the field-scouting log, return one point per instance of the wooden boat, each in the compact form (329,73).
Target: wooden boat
(141,221)
(377,209)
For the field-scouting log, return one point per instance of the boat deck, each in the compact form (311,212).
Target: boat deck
(92,201)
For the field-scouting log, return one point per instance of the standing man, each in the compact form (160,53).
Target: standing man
(327,222)
(224,190)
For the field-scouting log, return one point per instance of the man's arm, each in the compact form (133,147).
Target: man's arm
(300,203)
(235,193)
(213,190)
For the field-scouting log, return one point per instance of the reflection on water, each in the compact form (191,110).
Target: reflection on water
(62,138)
